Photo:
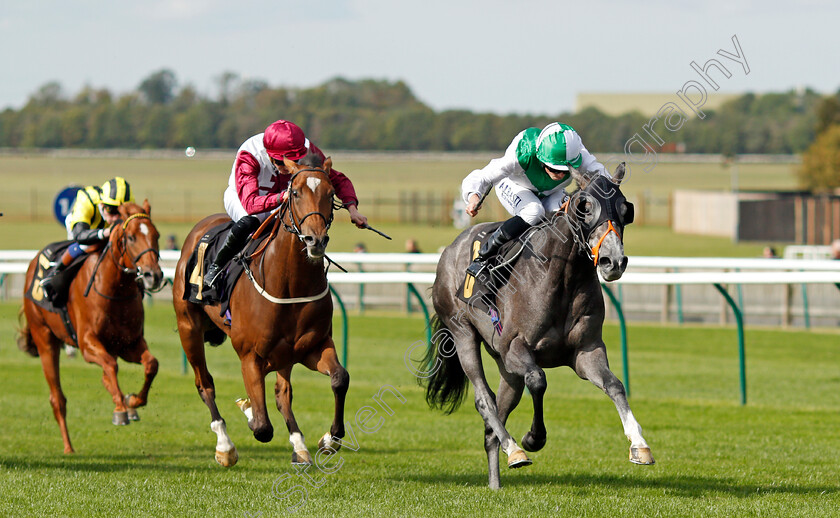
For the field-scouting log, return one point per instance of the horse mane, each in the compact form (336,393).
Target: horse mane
(312,160)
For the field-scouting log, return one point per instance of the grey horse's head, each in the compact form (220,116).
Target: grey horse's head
(602,212)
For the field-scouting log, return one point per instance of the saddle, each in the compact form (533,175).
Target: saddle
(61,283)
(201,258)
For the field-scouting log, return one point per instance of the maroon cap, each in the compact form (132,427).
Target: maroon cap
(284,139)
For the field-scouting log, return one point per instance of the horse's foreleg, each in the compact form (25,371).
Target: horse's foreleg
(592,365)
(253,373)
(192,340)
(519,361)
(283,398)
(95,352)
(326,362)
(140,354)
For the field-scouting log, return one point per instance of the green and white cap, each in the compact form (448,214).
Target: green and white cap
(558,147)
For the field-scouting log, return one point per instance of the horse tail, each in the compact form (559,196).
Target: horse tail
(214,336)
(446,386)
(24,336)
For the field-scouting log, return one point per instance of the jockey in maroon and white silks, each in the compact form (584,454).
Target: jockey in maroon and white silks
(255,185)
(258,182)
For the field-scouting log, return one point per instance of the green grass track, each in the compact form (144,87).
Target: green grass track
(777,456)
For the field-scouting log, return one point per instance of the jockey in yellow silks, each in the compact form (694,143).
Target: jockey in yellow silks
(88,224)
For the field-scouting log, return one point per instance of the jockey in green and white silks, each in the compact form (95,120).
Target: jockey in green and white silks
(530,181)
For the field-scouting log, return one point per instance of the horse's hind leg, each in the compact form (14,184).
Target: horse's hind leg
(283,397)
(510,392)
(49,351)
(140,354)
(592,364)
(469,356)
(192,340)
(326,362)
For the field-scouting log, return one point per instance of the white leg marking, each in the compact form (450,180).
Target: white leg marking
(633,431)
(313,183)
(510,447)
(328,442)
(144,229)
(297,442)
(223,443)
(244,404)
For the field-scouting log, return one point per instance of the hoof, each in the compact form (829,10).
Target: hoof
(227,458)
(641,456)
(533,443)
(518,459)
(120,419)
(132,411)
(301,457)
(329,443)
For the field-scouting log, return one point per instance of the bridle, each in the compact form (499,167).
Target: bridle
(288,207)
(608,212)
(133,268)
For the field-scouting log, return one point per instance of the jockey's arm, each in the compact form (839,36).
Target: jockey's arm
(480,181)
(248,186)
(590,164)
(344,190)
(84,235)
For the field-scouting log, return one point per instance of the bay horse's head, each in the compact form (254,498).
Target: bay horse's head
(601,212)
(310,204)
(134,241)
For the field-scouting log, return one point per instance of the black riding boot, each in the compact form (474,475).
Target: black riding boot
(235,240)
(510,229)
(47,282)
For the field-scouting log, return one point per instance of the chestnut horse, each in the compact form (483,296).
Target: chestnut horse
(107,315)
(281,314)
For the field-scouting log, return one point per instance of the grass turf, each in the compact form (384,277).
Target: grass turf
(777,456)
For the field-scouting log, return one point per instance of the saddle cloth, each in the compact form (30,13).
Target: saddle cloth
(201,258)
(61,283)
(62,280)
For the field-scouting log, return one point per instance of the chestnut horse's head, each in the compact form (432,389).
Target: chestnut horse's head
(310,205)
(135,242)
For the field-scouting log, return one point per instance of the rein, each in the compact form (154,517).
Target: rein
(110,251)
(293,227)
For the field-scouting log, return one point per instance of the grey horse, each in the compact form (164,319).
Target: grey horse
(550,311)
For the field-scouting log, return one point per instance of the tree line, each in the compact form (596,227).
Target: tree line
(367,115)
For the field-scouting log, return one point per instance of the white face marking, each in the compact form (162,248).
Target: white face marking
(313,183)
(144,229)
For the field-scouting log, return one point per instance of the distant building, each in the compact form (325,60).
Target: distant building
(647,104)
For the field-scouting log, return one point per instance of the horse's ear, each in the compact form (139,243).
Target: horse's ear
(327,165)
(146,207)
(581,179)
(618,175)
(290,166)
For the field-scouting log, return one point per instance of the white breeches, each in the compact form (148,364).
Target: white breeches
(521,201)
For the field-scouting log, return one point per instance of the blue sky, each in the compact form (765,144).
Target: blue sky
(531,56)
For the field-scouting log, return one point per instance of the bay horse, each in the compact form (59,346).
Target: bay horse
(550,314)
(281,315)
(105,306)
